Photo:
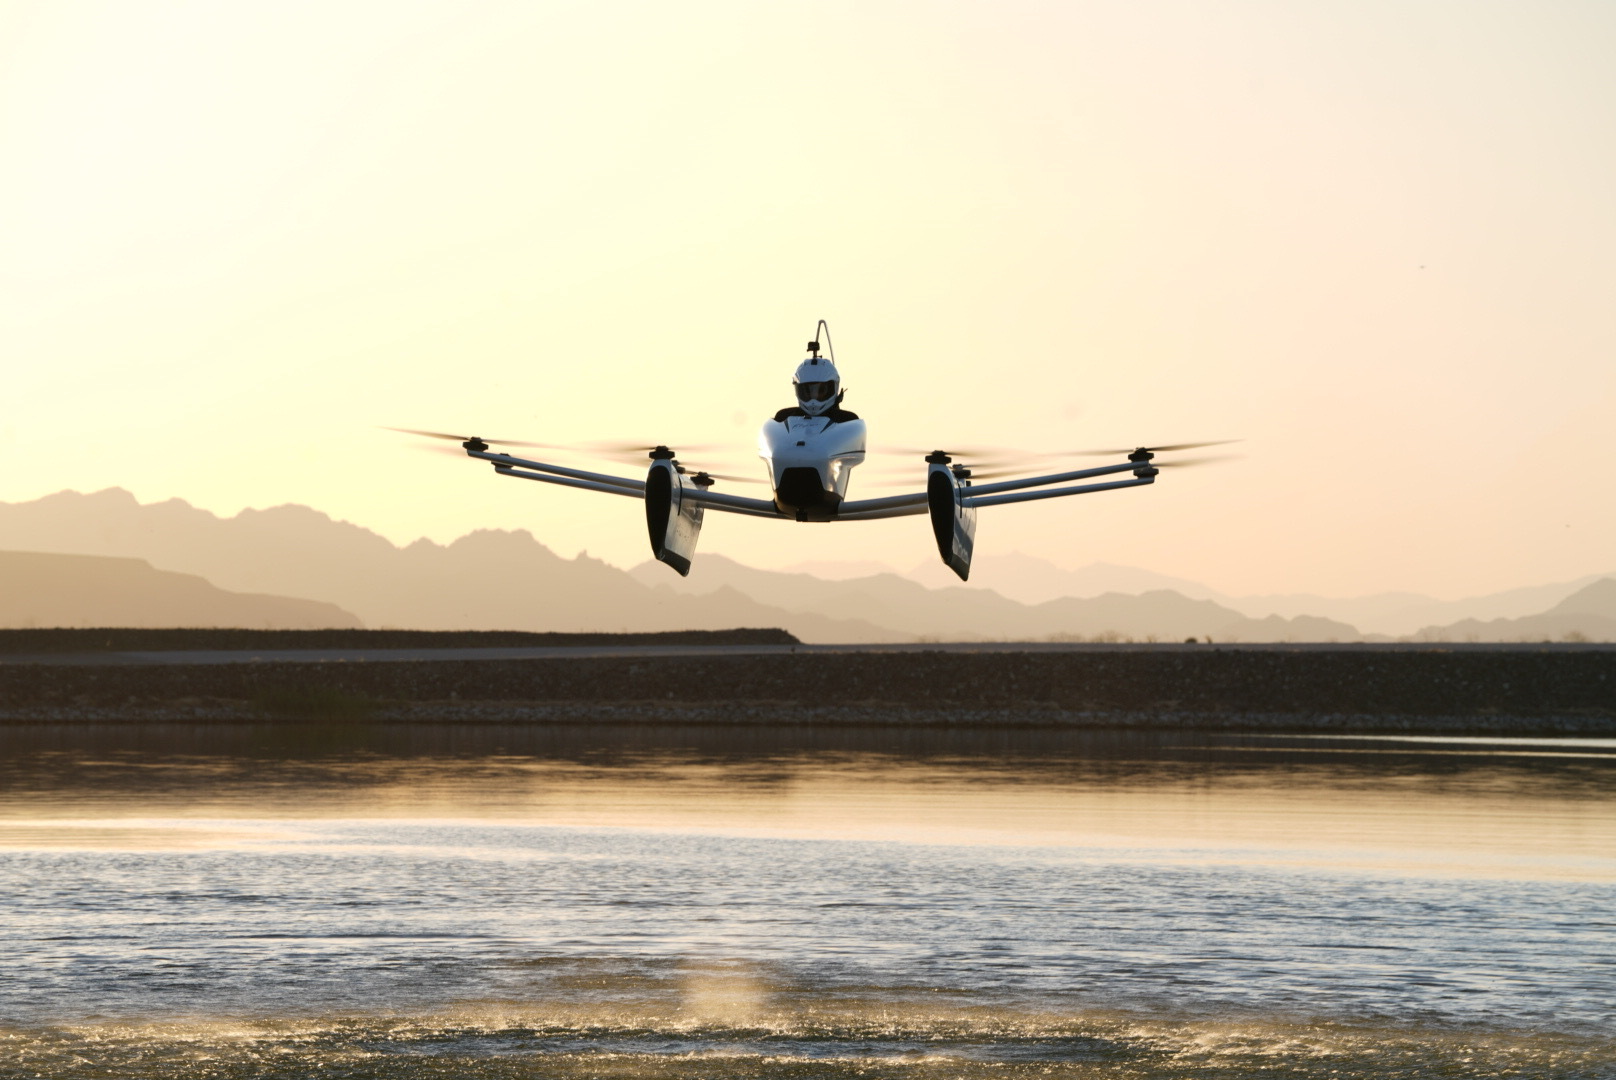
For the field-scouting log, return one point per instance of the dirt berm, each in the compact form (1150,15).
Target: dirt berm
(1527,690)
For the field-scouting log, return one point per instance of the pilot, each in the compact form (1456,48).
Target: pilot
(819,392)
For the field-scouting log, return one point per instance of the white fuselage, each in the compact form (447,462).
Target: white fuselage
(810,460)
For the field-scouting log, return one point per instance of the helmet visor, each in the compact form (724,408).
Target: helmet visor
(816,391)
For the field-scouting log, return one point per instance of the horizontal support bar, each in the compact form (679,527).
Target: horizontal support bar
(909,510)
(1057,478)
(1029,496)
(890,502)
(636,486)
(734,504)
(567,481)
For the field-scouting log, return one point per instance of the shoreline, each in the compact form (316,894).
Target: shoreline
(784,717)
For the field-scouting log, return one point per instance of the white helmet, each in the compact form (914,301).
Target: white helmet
(818,385)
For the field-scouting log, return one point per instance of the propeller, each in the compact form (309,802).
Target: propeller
(981,460)
(469,438)
(1204,459)
(978,453)
(636,453)
(698,473)
(1032,467)
(438,448)
(1151,449)
(633,453)
(910,477)
(998,472)
(638,448)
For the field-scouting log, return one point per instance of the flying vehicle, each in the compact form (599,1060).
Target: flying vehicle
(810,451)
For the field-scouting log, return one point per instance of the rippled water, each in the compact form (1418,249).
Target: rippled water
(419,901)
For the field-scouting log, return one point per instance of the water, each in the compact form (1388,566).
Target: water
(235,901)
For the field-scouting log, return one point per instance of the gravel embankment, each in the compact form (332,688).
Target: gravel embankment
(1528,691)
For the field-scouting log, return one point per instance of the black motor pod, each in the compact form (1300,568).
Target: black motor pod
(953,524)
(672,516)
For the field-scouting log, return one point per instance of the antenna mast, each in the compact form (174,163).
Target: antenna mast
(822,331)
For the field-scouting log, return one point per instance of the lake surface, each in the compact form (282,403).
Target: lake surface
(487,901)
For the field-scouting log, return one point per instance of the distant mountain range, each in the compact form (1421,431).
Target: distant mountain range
(484,580)
(90,590)
(1589,614)
(292,555)
(962,614)
(1395,614)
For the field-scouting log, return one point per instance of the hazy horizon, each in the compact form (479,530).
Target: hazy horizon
(1119,578)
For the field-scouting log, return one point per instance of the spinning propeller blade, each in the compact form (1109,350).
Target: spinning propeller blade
(723,476)
(434,448)
(999,472)
(1152,449)
(642,448)
(1030,464)
(638,453)
(468,438)
(975,453)
(634,453)
(1204,459)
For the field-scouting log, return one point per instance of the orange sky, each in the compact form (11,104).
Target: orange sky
(1375,240)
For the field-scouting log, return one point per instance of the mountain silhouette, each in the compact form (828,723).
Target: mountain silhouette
(488,579)
(46,590)
(1589,614)
(1386,615)
(959,613)
(1400,614)
(1031,580)
(507,580)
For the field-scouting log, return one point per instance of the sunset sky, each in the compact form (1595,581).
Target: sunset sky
(1374,240)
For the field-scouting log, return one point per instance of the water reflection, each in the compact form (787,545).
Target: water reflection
(1539,808)
(480,901)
